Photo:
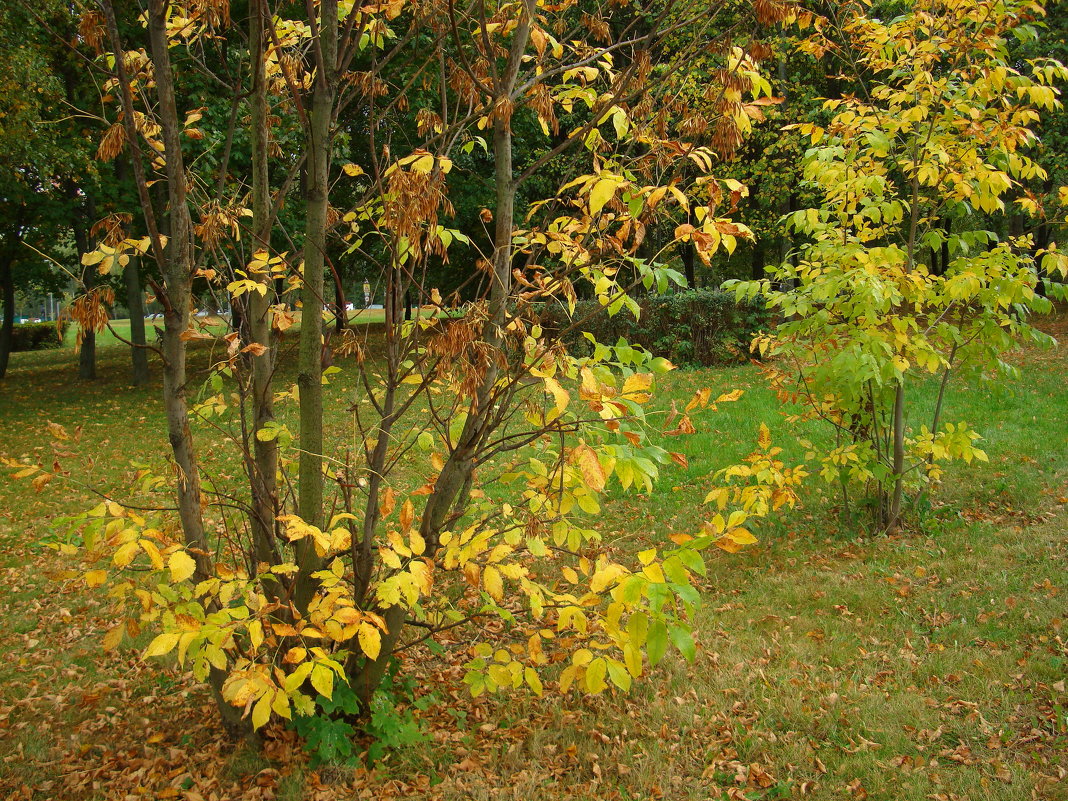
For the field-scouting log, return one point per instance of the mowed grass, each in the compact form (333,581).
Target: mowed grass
(832,664)
(119,330)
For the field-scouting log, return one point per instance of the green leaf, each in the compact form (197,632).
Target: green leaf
(683,640)
(619,674)
(656,642)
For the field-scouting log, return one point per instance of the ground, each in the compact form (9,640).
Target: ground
(831,665)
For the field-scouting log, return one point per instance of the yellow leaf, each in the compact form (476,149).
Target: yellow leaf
(636,387)
(124,555)
(322,679)
(559,394)
(261,712)
(654,573)
(294,655)
(741,536)
(586,459)
(595,674)
(423,164)
(182,566)
(533,681)
(163,644)
(764,439)
(370,640)
(491,580)
(417,543)
(113,637)
(295,679)
(352,170)
(255,634)
(150,548)
(602,191)
(94,578)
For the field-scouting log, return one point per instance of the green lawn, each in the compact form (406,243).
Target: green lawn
(831,665)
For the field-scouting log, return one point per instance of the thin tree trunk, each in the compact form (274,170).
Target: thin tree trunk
(899,456)
(263,477)
(177,298)
(175,262)
(309,377)
(456,472)
(7,291)
(341,317)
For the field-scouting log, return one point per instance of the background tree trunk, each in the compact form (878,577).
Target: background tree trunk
(87,352)
(136,304)
(756,270)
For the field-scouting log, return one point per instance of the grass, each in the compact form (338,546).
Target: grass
(831,665)
(121,328)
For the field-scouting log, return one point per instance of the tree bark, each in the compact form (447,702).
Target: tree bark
(136,304)
(135,301)
(263,476)
(309,377)
(175,262)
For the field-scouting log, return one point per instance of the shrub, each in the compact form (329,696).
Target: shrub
(697,327)
(37,336)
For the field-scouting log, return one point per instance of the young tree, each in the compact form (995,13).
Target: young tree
(479,445)
(933,140)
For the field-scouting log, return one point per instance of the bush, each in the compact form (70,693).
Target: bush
(698,327)
(37,336)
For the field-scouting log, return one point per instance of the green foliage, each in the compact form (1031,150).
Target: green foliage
(329,734)
(38,336)
(941,134)
(698,327)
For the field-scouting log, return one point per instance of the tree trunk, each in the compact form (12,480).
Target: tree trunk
(309,377)
(136,304)
(175,262)
(457,470)
(176,300)
(135,301)
(87,351)
(263,476)
(756,270)
(894,517)
(7,292)
(341,317)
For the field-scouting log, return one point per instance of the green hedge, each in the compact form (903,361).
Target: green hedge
(37,336)
(698,327)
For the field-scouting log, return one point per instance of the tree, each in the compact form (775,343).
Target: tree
(29,152)
(456,402)
(938,130)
